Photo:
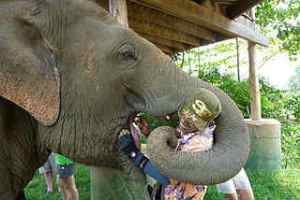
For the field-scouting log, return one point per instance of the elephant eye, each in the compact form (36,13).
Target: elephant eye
(127,53)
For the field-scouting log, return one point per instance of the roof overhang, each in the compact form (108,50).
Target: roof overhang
(204,17)
(179,25)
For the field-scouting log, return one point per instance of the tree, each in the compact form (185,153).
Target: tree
(280,19)
(294,82)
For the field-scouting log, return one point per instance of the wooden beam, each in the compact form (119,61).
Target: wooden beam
(168,43)
(136,11)
(165,33)
(166,50)
(118,8)
(199,15)
(245,21)
(225,2)
(241,7)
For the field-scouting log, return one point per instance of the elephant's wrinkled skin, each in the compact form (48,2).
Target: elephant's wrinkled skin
(69,78)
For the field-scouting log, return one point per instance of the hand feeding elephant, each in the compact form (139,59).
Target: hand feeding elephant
(70,76)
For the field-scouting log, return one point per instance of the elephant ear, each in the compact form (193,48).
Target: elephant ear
(28,73)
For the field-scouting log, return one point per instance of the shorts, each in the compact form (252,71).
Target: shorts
(65,170)
(49,165)
(238,182)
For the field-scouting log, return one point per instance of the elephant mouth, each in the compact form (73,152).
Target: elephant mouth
(134,99)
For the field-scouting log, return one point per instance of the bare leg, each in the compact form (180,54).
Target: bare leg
(58,183)
(48,178)
(69,189)
(62,189)
(246,194)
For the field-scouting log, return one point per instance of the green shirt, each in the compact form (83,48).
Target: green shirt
(62,160)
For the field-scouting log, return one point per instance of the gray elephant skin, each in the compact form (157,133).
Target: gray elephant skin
(70,76)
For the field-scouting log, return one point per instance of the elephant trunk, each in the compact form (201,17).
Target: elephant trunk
(224,160)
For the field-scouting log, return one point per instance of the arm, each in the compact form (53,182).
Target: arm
(127,146)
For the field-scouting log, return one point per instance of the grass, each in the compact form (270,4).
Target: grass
(36,188)
(283,185)
(277,186)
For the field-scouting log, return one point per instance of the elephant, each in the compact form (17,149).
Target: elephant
(71,75)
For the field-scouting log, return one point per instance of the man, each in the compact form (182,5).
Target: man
(65,169)
(49,170)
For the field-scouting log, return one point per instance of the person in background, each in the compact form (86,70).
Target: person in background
(237,188)
(49,170)
(65,169)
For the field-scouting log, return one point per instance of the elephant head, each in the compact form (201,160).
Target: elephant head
(81,75)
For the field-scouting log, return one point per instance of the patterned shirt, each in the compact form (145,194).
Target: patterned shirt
(193,142)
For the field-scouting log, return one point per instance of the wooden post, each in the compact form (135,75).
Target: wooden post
(254,84)
(253,79)
(118,8)
(265,154)
(238,58)
(265,145)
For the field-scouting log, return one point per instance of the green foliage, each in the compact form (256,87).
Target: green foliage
(155,122)
(276,186)
(36,189)
(292,106)
(275,103)
(213,194)
(294,82)
(272,101)
(282,18)
(290,142)
(269,186)
(238,91)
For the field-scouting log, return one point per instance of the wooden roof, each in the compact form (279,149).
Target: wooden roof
(178,25)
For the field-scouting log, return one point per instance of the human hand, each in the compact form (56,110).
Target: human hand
(126,142)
